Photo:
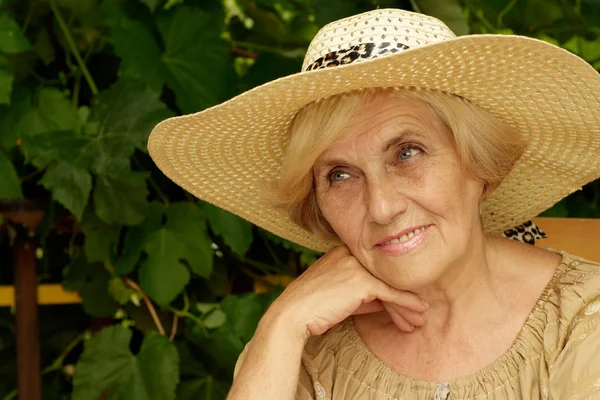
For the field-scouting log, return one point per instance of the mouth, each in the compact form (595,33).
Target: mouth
(403,241)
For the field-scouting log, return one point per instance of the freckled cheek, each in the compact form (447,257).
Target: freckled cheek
(344,211)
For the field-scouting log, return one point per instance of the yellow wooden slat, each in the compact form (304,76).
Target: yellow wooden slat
(578,236)
(47,294)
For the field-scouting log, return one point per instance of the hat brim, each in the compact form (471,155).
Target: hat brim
(222,154)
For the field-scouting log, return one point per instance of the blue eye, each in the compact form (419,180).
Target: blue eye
(408,152)
(337,176)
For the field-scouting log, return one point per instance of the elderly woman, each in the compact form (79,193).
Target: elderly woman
(405,165)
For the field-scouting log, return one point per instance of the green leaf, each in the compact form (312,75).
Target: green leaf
(334,10)
(128,109)
(200,68)
(101,239)
(235,231)
(307,256)
(587,49)
(6,80)
(119,291)
(151,4)
(90,280)
(107,364)
(183,238)
(45,110)
(139,52)
(121,198)
(43,46)
(215,319)
(268,67)
(123,117)
(10,187)
(222,346)
(162,275)
(136,239)
(70,186)
(243,313)
(196,382)
(205,387)
(186,221)
(12,39)
(449,11)
(45,148)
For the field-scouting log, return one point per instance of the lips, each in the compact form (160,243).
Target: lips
(402,236)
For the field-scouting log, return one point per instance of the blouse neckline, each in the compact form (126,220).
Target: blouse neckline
(496,367)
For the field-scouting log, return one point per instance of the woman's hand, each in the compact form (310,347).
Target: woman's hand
(338,286)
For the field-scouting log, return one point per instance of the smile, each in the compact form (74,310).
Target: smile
(405,242)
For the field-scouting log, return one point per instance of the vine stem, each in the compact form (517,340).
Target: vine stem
(73,47)
(174,327)
(505,11)
(149,305)
(57,364)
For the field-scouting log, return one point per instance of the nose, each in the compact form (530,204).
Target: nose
(385,201)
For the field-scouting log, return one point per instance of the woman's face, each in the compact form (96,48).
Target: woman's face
(394,191)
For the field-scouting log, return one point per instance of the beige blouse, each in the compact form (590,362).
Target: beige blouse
(556,355)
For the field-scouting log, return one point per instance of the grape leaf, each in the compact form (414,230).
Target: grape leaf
(119,291)
(188,224)
(235,231)
(43,47)
(136,47)
(70,186)
(90,280)
(12,39)
(222,346)
(196,382)
(243,313)
(10,188)
(43,111)
(6,80)
(183,237)
(151,4)
(200,68)
(162,275)
(136,238)
(128,109)
(101,239)
(107,364)
(307,256)
(121,198)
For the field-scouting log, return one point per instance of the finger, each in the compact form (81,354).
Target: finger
(398,319)
(412,317)
(371,307)
(401,298)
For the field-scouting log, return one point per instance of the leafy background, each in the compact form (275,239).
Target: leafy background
(172,287)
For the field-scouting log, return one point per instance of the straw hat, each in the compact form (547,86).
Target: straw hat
(551,96)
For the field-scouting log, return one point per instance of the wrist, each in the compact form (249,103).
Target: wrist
(280,322)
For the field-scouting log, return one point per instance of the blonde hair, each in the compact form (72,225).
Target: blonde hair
(487,147)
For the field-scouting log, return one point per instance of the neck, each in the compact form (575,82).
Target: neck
(464,290)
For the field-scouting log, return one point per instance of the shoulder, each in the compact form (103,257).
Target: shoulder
(571,304)
(572,333)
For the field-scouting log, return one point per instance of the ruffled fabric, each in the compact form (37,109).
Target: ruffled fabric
(561,332)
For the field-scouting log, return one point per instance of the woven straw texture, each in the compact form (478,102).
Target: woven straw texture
(552,97)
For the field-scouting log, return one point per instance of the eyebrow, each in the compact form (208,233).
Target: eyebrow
(392,142)
(402,136)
